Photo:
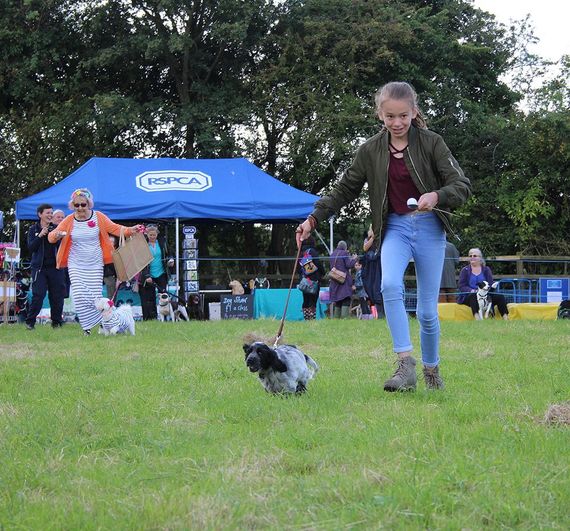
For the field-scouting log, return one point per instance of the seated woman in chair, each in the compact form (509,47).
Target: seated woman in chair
(470,276)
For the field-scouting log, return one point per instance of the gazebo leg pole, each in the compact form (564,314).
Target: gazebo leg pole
(177,225)
(331,231)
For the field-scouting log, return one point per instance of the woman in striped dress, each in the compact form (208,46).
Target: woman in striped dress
(84,249)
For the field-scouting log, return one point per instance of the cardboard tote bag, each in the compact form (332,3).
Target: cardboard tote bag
(132,256)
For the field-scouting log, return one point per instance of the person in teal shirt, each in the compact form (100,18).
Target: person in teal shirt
(154,276)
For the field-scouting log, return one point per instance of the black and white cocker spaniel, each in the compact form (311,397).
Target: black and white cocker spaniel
(284,369)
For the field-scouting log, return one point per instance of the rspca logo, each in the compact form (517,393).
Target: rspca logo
(163,181)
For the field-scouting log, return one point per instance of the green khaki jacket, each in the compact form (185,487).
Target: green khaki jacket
(429,161)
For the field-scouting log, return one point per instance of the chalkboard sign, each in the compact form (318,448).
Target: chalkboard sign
(236,306)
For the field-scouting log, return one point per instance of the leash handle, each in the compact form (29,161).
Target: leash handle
(280,331)
(121,244)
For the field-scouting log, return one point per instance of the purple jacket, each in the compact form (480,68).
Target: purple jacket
(465,276)
(342,261)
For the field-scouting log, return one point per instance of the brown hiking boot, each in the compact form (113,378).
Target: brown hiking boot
(432,378)
(404,378)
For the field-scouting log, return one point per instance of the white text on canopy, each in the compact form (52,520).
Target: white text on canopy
(163,181)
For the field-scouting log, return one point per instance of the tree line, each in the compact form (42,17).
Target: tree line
(288,84)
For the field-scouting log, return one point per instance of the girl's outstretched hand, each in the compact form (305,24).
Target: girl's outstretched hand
(303,231)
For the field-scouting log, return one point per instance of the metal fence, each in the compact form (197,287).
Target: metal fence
(515,290)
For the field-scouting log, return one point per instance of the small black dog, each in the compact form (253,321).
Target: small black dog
(194,305)
(284,369)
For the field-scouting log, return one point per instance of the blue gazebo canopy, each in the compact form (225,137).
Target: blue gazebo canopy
(164,188)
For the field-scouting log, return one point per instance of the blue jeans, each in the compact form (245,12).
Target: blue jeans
(419,235)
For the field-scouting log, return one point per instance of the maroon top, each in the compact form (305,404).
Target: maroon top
(400,186)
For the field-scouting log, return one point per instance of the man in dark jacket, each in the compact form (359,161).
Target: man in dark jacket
(45,276)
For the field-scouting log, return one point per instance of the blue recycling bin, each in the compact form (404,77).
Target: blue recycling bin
(554,289)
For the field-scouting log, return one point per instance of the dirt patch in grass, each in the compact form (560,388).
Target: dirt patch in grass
(558,414)
(486,353)
(8,410)
(16,352)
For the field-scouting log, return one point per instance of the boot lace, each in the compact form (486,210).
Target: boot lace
(402,369)
(432,378)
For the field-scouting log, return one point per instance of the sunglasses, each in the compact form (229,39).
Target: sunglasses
(77,205)
(474,256)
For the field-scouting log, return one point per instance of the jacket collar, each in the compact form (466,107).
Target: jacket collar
(38,225)
(412,136)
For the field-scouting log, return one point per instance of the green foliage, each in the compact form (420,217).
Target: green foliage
(169,430)
(289,85)
(521,199)
(38,58)
(554,94)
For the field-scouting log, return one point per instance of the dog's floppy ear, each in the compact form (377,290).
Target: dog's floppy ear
(246,349)
(278,365)
(269,356)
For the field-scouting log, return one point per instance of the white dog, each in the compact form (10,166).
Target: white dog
(169,308)
(484,301)
(164,308)
(115,320)
(284,369)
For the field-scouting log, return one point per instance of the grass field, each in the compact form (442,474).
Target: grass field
(168,430)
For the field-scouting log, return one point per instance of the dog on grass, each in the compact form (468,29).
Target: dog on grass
(282,370)
(168,307)
(115,320)
(484,300)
